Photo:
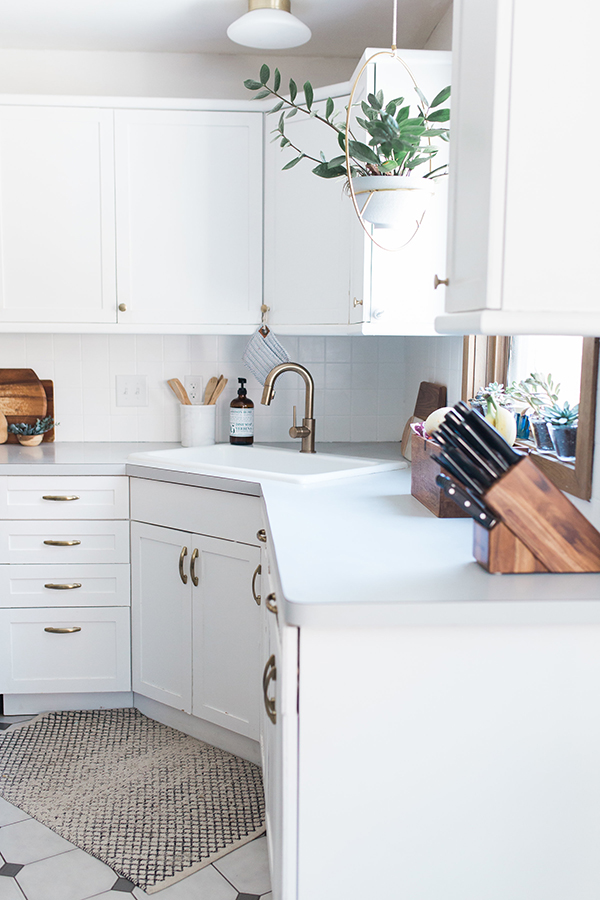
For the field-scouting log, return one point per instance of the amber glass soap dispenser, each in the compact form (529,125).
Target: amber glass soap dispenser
(241,417)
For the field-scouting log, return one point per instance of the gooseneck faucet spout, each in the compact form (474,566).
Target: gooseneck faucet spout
(306,431)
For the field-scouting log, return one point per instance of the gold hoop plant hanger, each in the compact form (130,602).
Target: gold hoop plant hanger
(359,212)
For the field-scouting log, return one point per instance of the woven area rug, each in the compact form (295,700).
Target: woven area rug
(149,801)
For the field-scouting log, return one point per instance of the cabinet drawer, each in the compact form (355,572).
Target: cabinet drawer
(64,586)
(234,517)
(64,497)
(93,658)
(84,542)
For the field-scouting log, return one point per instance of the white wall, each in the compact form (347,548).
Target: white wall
(365,386)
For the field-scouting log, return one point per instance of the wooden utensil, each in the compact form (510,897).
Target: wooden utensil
(210,389)
(179,391)
(429,398)
(22,394)
(221,384)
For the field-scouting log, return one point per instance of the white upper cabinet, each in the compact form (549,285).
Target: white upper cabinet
(524,230)
(321,268)
(57,238)
(189,217)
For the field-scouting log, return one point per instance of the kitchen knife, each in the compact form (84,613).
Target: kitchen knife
(457,472)
(455,435)
(474,507)
(455,420)
(489,435)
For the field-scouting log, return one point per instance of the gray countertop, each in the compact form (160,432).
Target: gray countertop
(360,551)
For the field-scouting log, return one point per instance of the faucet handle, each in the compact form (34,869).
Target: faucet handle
(298,431)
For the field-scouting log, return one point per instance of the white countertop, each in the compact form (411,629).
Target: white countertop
(358,552)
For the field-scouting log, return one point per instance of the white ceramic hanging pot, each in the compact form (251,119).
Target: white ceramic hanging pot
(393,201)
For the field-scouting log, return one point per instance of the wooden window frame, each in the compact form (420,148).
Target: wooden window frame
(485,359)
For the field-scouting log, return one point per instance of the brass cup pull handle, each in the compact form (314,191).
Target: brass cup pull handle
(182,556)
(193,575)
(63,587)
(70,630)
(262,536)
(256,596)
(62,543)
(59,497)
(270,603)
(269,675)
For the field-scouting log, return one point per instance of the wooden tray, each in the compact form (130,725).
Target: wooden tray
(48,387)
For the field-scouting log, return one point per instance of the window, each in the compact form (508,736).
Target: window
(572,361)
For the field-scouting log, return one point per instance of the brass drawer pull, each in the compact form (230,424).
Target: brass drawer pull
(63,587)
(262,536)
(256,596)
(58,497)
(270,603)
(193,567)
(182,556)
(71,630)
(62,543)
(269,675)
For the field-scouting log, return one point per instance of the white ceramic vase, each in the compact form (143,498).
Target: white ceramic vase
(392,201)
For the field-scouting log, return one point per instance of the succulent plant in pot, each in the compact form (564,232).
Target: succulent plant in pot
(398,140)
(32,435)
(531,396)
(562,422)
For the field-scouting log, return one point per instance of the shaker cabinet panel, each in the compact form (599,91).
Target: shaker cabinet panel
(161,615)
(189,216)
(57,244)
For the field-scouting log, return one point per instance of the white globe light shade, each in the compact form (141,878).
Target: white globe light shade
(269,29)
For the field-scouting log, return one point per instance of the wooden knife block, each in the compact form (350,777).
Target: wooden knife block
(539,530)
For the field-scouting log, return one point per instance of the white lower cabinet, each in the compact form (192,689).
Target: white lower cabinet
(64,585)
(196,616)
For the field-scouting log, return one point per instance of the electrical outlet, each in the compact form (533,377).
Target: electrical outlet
(132,390)
(194,385)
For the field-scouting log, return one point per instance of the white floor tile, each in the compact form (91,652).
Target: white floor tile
(70,876)
(247,868)
(29,841)
(10,813)
(9,889)
(207,884)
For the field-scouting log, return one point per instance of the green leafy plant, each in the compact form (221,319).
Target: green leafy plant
(41,427)
(534,393)
(557,415)
(398,140)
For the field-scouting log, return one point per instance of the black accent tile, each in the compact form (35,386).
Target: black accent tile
(5,725)
(122,884)
(248,897)
(10,869)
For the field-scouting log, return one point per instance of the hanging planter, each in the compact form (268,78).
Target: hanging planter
(393,201)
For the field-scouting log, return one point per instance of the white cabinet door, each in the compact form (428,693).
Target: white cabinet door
(226,646)
(161,615)
(57,241)
(189,216)
(522,249)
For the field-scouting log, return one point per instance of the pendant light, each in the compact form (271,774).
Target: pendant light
(269,25)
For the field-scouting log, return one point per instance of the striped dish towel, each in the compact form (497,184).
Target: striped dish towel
(263,352)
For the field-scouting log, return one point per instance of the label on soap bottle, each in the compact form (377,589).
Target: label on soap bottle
(241,422)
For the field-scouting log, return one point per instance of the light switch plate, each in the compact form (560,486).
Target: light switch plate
(132,390)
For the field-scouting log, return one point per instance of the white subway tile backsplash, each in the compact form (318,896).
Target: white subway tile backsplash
(365,387)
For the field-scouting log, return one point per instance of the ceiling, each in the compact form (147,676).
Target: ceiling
(340,27)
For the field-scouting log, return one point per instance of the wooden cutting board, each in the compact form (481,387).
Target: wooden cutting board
(429,398)
(22,394)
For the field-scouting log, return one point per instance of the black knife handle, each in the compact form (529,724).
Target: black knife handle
(475,508)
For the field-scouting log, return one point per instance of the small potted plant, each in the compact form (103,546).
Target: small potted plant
(399,140)
(562,422)
(533,394)
(32,435)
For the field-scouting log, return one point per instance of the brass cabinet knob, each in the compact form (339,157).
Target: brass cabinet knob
(271,604)
(122,307)
(262,535)
(437,281)
(357,302)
